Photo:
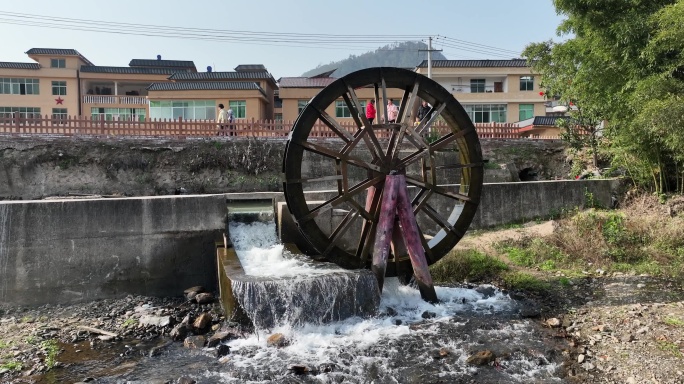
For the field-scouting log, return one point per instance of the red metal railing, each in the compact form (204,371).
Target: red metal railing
(17,124)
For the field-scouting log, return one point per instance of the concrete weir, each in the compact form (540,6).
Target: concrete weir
(330,294)
(76,250)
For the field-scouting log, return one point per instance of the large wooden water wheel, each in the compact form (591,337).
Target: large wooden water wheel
(438,157)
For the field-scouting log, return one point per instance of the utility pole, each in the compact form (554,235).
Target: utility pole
(429,51)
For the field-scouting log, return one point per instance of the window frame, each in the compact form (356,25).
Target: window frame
(59,86)
(478,85)
(527,83)
(57,63)
(487,113)
(19,86)
(239,108)
(530,110)
(301,104)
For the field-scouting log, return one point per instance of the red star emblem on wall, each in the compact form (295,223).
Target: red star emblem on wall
(59,100)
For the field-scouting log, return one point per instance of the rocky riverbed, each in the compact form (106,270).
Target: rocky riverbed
(606,329)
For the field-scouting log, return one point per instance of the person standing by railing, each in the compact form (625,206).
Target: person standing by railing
(392,111)
(221,120)
(231,119)
(370,111)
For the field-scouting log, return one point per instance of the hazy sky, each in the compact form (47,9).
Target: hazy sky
(482,29)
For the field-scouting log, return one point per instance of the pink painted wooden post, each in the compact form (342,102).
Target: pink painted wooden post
(385,228)
(409,230)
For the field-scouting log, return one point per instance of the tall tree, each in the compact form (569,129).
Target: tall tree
(622,62)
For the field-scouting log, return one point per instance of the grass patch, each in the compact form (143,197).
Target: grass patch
(673,321)
(525,282)
(129,323)
(51,350)
(4,344)
(536,253)
(12,365)
(467,265)
(670,347)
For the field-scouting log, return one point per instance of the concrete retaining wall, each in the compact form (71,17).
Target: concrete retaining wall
(63,251)
(76,250)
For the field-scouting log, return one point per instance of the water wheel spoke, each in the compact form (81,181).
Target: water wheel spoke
(341,229)
(440,220)
(337,200)
(434,113)
(421,199)
(437,145)
(437,189)
(314,179)
(331,153)
(457,166)
(335,126)
(426,246)
(374,144)
(384,96)
(408,102)
(367,237)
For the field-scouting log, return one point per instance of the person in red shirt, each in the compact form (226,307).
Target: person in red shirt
(370,111)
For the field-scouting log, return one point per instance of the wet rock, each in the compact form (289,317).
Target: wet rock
(580,359)
(443,352)
(157,321)
(553,322)
(155,351)
(397,322)
(481,358)
(530,312)
(180,332)
(194,342)
(204,298)
(222,350)
(428,315)
(185,380)
(486,291)
(299,369)
(277,340)
(196,289)
(391,311)
(202,321)
(219,337)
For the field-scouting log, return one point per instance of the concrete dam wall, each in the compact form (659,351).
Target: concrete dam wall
(65,251)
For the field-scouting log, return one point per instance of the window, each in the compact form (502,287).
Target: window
(130,114)
(526,83)
(278,116)
(477,85)
(239,108)
(186,109)
(23,111)
(526,111)
(12,86)
(300,105)
(59,113)
(57,63)
(341,109)
(486,113)
(59,88)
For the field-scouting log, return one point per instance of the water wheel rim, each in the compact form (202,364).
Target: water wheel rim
(461,134)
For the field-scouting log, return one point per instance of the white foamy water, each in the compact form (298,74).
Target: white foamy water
(398,345)
(261,254)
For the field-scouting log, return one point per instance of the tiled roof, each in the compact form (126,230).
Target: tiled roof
(126,70)
(514,63)
(251,68)
(220,76)
(57,52)
(548,120)
(162,63)
(10,65)
(305,82)
(205,86)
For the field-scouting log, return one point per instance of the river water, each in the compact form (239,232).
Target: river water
(410,341)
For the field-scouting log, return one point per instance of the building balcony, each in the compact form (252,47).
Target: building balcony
(111,99)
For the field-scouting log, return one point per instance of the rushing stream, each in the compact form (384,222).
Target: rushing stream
(409,341)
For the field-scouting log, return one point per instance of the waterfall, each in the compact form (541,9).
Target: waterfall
(285,289)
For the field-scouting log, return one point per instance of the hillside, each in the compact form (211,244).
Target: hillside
(406,54)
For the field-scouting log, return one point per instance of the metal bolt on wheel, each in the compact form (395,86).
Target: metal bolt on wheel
(440,157)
